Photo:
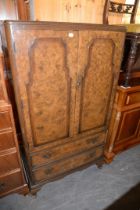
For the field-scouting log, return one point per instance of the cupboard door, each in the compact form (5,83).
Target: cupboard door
(44,68)
(99,61)
(129,128)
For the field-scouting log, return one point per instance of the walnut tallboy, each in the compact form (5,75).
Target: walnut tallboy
(65,78)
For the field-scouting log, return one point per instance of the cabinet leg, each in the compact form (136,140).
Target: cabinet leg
(108,157)
(34,190)
(100,163)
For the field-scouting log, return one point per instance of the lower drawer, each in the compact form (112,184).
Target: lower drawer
(10,182)
(5,120)
(7,140)
(63,151)
(64,166)
(8,163)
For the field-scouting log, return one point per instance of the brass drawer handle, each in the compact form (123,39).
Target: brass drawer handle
(48,171)
(91,155)
(2,186)
(93,141)
(47,156)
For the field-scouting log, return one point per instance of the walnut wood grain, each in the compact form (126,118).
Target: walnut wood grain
(66,150)
(51,171)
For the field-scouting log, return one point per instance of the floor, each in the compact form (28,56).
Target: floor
(89,189)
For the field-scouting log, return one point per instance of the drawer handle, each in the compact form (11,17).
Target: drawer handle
(2,186)
(47,156)
(93,141)
(91,155)
(48,171)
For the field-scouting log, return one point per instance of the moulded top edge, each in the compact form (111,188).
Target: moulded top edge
(66,25)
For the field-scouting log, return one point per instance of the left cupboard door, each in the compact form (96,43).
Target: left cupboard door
(44,63)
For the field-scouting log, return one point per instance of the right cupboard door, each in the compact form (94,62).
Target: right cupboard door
(99,61)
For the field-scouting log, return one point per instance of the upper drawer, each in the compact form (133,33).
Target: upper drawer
(6,140)
(8,163)
(5,120)
(66,150)
(132,98)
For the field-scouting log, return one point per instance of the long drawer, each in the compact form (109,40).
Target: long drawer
(61,167)
(66,150)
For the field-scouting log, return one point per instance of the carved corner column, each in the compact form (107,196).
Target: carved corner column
(108,153)
(113,128)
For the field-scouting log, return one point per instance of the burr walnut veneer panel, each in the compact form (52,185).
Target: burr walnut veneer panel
(65,77)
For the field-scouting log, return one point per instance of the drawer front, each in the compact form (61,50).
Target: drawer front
(6,140)
(53,170)
(8,163)
(5,120)
(66,150)
(10,182)
(132,98)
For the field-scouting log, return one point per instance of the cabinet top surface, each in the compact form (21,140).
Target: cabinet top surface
(65,25)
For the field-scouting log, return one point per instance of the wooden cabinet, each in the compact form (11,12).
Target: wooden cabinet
(65,78)
(125,124)
(11,170)
(124,129)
